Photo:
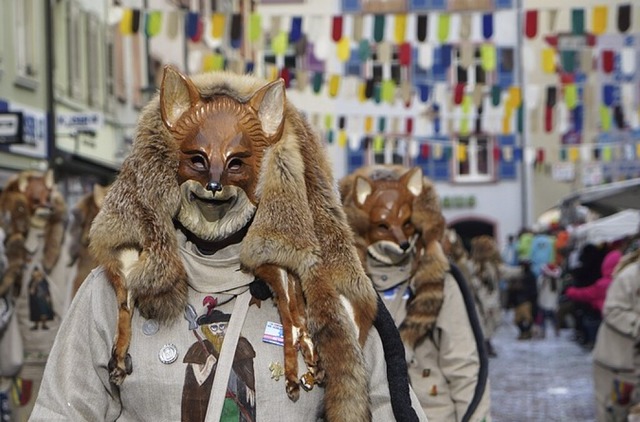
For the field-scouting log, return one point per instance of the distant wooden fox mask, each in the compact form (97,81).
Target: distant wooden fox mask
(222,142)
(389,205)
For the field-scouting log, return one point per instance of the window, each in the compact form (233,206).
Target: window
(473,159)
(74,37)
(384,150)
(25,38)
(466,63)
(93,53)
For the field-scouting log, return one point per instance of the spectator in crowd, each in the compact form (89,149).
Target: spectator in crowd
(542,251)
(587,271)
(594,294)
(548,291)
(525,300)
(523,245)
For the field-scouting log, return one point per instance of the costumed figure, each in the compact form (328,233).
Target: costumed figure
(485,283)
(398,225)
(616,354)
(227,274)
(453,247)
(11,349)
(34,217)
(83,214)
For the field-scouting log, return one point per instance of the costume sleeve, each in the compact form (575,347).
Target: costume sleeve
(379,385)
(458,355)
(583,294)
(620,310)
(509,272)
(75,385)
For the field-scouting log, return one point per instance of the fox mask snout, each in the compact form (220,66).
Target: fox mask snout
(389,205)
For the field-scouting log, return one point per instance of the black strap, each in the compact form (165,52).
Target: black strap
(397,374)
(483,372)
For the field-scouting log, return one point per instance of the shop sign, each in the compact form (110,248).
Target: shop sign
(458,201)
(10,128)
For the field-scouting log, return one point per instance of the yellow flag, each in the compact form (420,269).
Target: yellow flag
(126,22)
(599,19)
(368,124)
(342,138)
(548,60)
(515,97)
(334,85)
(400,28)
(462,153)
(362,88)
(217,25)
(343,48)
(573,154)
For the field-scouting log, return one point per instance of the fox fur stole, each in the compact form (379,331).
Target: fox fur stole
(428,278)
(299,225)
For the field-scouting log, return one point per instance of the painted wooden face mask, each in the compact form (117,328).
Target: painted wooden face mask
(222,140)
(389,204)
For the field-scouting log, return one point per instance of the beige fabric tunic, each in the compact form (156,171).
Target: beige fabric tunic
(76,385)
(444,368)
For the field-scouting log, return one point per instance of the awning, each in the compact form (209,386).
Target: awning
(609,229)
(607,199)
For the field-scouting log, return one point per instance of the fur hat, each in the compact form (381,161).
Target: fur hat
(295,185)
(428,278)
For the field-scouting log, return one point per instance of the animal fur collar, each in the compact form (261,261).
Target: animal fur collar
(295,185)
(428,276)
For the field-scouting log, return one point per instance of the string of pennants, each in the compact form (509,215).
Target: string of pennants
(153,22)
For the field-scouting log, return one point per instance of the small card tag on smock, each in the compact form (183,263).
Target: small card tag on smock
(273,333)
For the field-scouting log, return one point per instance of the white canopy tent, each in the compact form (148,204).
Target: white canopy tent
(608,229)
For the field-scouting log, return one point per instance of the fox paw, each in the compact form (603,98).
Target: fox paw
(307,381)
(293,389)
(118,370)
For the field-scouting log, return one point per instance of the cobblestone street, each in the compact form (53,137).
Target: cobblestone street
(541,379)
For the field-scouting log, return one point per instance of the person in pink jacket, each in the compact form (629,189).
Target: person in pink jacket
(595,293)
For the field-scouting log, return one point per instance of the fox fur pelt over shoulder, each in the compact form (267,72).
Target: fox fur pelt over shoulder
(428,278)
(299,225)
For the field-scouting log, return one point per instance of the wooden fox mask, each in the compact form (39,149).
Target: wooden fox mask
(389,204)
(222,142)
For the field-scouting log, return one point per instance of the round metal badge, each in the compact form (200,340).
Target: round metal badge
(168,354)
(150,327)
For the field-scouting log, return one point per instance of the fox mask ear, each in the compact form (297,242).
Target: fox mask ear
(413,180)
(362,190)
(99,192)
(269,102)
(49,180)
(23,182)
(177,95)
